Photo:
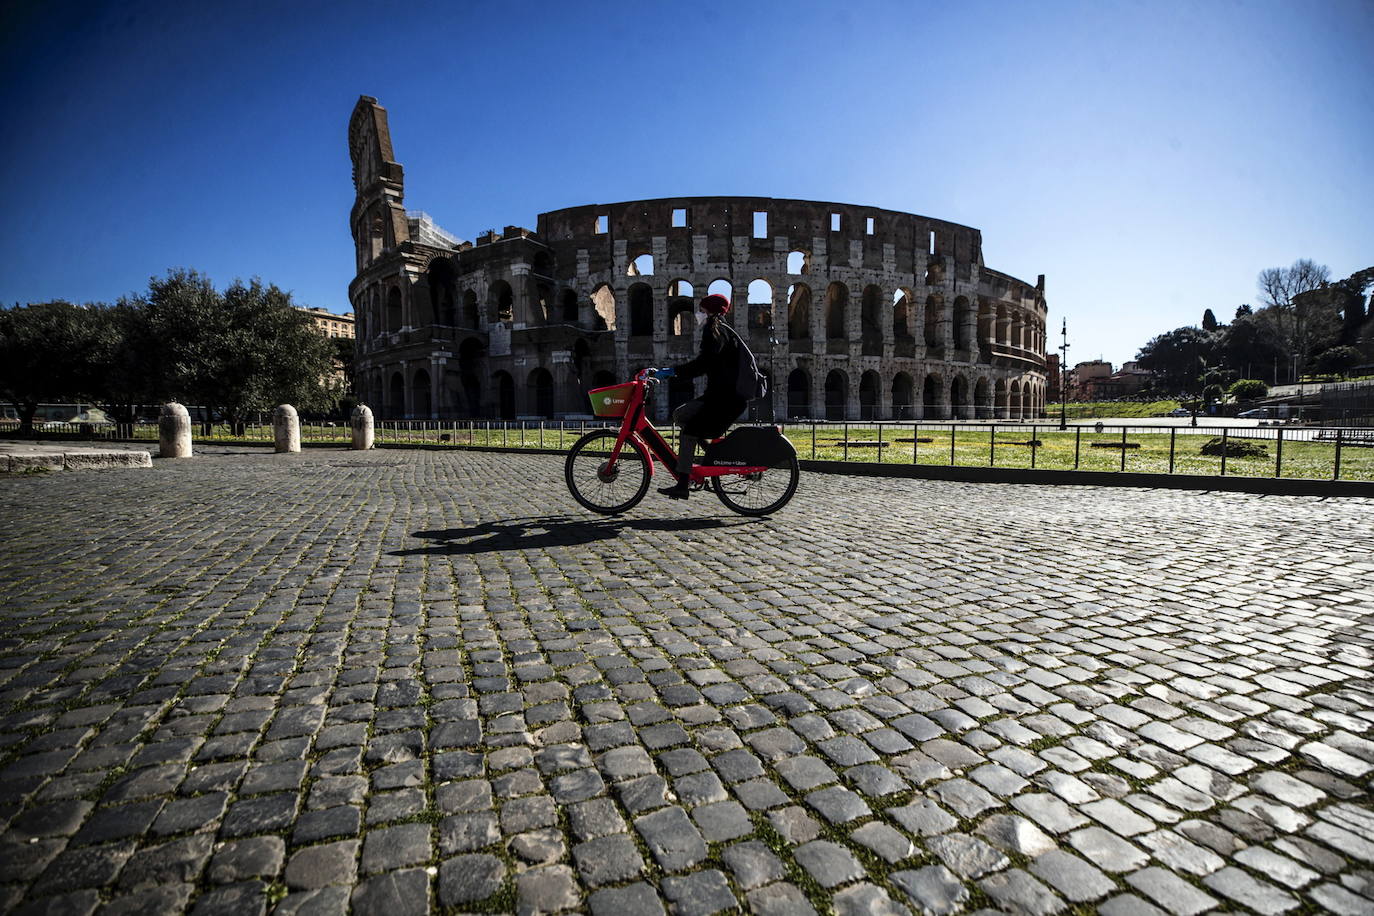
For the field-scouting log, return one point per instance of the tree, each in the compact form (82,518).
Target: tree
(1209,321)
(1247,389)
(45,355)
(1337,360)
(235,353)
(1246,346)
(1301,324)
(1176,356)
(1244,310)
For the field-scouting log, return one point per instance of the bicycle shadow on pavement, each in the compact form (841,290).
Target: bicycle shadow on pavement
(544,531)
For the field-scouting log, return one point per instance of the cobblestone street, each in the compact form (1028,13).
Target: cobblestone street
(395,681)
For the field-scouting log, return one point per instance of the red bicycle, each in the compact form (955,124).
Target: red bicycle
(753,470)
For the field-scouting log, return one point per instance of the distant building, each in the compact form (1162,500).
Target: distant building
(1096,381)
(332,325)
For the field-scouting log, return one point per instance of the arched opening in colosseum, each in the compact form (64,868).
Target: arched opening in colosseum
(1014,400)
(543,300)
(568,305)
(798,262)
(798,312)
(935,320)
(962,319)
(603,301)
(505,395)
(798,393)
(871,321)
(539,393)
(376,237)
(1000,399)
(1018,330)
(500,301)
(986,325)
(642,266)
(641,299)
(543,264)
(470,404)
(935,271)
(722,287)
(760,304)
(958,398)
(870,395)
(901,314)
(902,392)
(420,401)
(471,318)
(680,308)
(836,303)
(1003,335)
(836,394)
(396,397)
(932,390)
(982,399)
(442,280)
(393,309)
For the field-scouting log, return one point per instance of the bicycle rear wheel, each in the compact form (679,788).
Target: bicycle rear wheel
(761,493)
(608,490)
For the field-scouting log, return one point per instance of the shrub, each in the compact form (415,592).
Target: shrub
(1247,389)
(1234,448)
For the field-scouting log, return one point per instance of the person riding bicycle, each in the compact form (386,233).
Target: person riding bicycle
(710,415)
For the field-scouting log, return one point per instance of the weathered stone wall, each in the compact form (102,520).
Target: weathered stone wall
(855,312)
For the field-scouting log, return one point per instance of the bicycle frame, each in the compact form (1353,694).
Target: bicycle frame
(636,424)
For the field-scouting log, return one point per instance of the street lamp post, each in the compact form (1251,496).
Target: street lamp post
(1064,377)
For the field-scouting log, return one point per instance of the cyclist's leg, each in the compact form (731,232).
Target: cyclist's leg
(686,450)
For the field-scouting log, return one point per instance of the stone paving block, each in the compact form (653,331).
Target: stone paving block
(672,839)
(933,889)
(700,894)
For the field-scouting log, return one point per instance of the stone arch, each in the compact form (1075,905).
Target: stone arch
(421,402)
(722,287)
(442,279)
(870,396)
(472,317)
(641,305)
(962,319)
(798,393)
(394,313)
(987,325)
(959,405)
(539,393)
(760,304)
(901,314)
(903,394)
(503,387)
(836,394)
(798,312)
(982,398)
(396,396)
(798,262)
(935,320)
(1001,401)
(1014,399)
(871,321)
(933,406)
(641,266)
(681,305)
(543,303)
(836,305)
(500,301)
(1003,336)
(603,305)
(1018,329)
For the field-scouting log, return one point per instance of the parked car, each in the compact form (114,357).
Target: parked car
(1180,412)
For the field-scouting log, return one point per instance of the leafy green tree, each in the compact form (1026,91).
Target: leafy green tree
(1177,355)
(45,355)
(1247,389)
(124,359)
(236,353)
(1246,346)
(1243,310)
(1337,360)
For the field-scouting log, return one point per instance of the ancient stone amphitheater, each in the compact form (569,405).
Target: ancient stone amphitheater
(854,312)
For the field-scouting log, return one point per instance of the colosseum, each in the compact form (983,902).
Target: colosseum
(861,313)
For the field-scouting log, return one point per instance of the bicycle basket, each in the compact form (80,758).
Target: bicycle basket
(612,401)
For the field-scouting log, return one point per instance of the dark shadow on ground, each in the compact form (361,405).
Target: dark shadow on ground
(546,531)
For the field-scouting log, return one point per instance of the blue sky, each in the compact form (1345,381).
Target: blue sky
(1149,158)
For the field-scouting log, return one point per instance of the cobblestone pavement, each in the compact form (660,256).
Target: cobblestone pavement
(391,681)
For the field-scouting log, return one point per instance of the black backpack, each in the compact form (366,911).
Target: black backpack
(750,383)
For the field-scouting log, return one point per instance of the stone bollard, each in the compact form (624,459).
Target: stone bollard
(286,428)
(363,427)
(174,432)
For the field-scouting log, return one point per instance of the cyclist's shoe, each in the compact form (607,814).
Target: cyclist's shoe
(677,490)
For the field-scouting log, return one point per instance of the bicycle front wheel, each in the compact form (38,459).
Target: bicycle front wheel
(596,483)
(761,493)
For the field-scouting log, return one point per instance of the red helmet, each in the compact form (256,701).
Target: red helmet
(715,304)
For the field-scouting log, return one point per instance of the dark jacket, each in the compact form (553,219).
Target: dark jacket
(718,360)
